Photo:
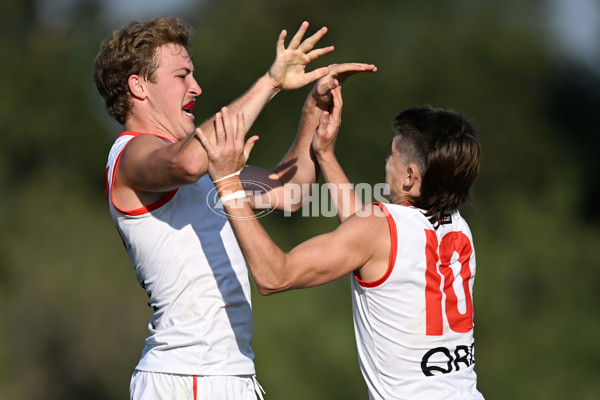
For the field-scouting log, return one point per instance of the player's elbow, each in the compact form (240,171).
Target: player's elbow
(267,289)
(263,291)
(267,286)
(189,169)
(193,168)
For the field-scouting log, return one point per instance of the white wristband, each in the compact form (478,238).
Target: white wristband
(233,196)
(229,176)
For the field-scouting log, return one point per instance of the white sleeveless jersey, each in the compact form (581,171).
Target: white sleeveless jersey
(187,259)
(414,326)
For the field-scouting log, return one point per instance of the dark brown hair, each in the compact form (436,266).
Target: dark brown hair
(445,148)
(130,51)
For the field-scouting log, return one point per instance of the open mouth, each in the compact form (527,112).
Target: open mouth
(189,107)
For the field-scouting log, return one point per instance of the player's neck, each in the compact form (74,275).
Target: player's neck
(146,125)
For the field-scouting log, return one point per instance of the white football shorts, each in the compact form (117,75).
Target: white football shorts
(159,386)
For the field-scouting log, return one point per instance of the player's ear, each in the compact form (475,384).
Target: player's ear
(137,86)
(412,175)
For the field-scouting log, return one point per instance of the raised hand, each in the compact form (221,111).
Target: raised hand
(288,71)
(227,153)
(329,125)
(338,73)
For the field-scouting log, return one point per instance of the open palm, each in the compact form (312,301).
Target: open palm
(288,71)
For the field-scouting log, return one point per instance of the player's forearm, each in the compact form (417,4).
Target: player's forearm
(299,167)
(265,260)
(252,102)
(343,196)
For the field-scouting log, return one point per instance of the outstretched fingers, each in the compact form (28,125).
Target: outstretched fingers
(226,149)
(219,129)
(295,42)
(281,42)
(229,133)
(313,55)
(309,43)
(346,70)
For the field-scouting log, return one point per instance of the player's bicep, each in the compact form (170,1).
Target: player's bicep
(147,165)
(330,256)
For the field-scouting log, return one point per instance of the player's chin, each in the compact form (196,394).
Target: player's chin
(190,130)
(188,126)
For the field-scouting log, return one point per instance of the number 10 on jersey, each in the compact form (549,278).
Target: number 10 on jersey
(452,242)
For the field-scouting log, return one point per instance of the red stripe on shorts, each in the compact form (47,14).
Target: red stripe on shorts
(195,387)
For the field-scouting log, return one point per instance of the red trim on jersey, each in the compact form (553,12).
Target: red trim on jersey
(195,385)
(151,207)
(131,133)
(394,246)
(106,188)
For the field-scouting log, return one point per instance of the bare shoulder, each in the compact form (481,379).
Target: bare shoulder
(134,173)
(367,229)
(369,217)
(372,220)
(142,145)
(136,157)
